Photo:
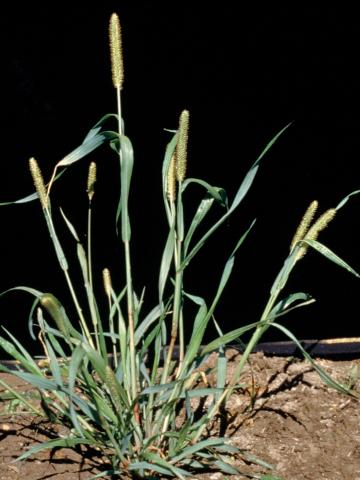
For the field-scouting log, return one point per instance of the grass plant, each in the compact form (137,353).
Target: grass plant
(114,377)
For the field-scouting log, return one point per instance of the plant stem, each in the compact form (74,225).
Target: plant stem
(129,285)
(91,296)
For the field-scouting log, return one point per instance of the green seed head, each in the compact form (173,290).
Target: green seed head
(91,180)
(182,146)
(304,224)
(56,311)
(117,64)
(111,383)
(171,180)
(39,183)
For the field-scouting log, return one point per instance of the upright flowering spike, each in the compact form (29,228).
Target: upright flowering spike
(321,223)
(117,64)
(182,145)
(171,180)
(313,232)
(107,282)
(304,224)
(39,183)
(91,180)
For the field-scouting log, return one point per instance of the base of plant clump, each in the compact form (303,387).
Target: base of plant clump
(284,415)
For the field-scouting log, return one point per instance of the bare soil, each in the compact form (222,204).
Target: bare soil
(284,415)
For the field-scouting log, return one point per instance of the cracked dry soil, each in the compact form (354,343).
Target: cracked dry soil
(284,415)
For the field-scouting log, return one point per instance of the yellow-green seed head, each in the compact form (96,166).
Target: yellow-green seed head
(321,223)
(117,64)
(304,224)
(313,232)
(182,146)
(91,180)
(107,282)
(171,180)
(39,183)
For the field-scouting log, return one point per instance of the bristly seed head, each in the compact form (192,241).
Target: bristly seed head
(39,183)
(117,64)
(304,224)
(107,282)
(321,223)
(182,146)
(171,179)
(313,232)
(91,180)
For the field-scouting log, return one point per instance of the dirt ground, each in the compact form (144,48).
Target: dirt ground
(285,416)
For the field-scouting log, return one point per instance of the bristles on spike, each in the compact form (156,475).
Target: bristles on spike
(117,64)
(182,145)
(320,224)
(304,224)
(39,183)
(313,233)
(171,180)
(91,180)
(107,282)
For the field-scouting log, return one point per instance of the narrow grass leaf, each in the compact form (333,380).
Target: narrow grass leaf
(229,337)
(346,199)
(39,381)
(55,443)
(147,466)
(54,365)
(321,248)
(156,460)
(203,445)
(199,216)
(242,191)
(323,375)
(217,193)
(70,226)
(166,262)
(19,353)
(226,467)
(201,392)
(106,473)
(150,318)
(127,162)
(170,149)
(75,362)
(284,304)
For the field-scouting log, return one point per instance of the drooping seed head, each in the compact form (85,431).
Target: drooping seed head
(56,311)
(91,180)
(182,146)
(107,282)
(171,179)
(117,64)
(39,183)
(304,224)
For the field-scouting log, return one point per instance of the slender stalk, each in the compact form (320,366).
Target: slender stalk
(177,305)
(129,285)
(130,303)
(79,310)
(64,266)
(91,297)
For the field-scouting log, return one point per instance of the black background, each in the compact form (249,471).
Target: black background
(243,73)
